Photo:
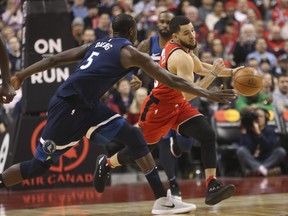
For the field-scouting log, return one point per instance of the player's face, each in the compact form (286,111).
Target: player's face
(186,36)
(163,24)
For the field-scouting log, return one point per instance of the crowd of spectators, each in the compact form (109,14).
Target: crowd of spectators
(243,32)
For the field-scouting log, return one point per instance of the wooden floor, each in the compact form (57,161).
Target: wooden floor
(254,197)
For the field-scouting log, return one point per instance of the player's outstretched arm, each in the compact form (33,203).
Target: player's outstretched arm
(66,57)
(130,57)
(7,92)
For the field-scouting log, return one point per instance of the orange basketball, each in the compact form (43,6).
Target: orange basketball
(247,81)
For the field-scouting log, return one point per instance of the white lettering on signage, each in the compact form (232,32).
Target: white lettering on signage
(50,76)
(42,46)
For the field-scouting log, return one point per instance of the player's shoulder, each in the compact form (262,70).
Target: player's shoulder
(144,46)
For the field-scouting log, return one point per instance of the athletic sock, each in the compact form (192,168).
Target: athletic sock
(154,181)
(212,180)
(108,165)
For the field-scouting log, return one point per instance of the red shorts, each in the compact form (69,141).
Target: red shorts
(157,117)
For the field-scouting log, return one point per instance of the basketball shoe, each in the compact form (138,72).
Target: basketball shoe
(216,192)
(101,173)
(175,192)
(168,205)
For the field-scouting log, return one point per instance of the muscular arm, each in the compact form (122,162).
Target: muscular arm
(130,57)
(66,57)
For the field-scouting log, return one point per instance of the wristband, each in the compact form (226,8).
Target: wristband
(213,73)
(231,72)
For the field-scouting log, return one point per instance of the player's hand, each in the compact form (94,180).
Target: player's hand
(236,69)
(16,81)
(7,93)
(218,66)
(220,95)
(135,82)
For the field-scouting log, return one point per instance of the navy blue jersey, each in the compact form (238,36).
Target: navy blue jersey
(99,70)
(155,50)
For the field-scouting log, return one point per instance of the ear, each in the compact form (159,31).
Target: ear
(131,31)
(175,37)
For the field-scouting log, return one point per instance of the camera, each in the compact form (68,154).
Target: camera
(247,119)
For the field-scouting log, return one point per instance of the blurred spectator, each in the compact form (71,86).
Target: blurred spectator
(88,36)
(205,8)
(265,66)
(253,62)
(7,33)
(200,27)
(230,35)
(91,21)
(241,11)
(14,54)
(13,15)
(219,27)
(280,95)
(251,16)
(261,52)
(213,17)
(268,86)
(133,113)
(103,28)
(245,44)
(144,9)
(79,9)
(77,30)
(182,7)
(105,6)
(275,41)
(278,15)
(282,66)
(123,96)
(107,100)
(116,10)
(259,100)
(260,29)
(259,152)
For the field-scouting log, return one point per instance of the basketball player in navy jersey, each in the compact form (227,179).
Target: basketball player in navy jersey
(75,111)
(7,92)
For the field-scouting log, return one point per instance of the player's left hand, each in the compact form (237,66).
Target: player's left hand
(234,70)
(135,82)
(7,93)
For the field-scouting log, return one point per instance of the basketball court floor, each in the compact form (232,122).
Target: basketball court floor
(254,197)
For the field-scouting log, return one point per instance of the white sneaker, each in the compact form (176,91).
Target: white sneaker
(168,205)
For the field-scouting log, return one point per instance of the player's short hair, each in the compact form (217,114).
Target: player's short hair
(176,22)
(122,23)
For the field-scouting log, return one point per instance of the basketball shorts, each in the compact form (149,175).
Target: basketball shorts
(158,117)
(67,123)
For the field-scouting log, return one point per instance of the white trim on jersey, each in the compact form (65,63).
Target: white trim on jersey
(92,129)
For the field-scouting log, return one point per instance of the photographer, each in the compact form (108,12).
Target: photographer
(259,152)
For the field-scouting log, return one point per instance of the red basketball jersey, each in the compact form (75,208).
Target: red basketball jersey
(160,91)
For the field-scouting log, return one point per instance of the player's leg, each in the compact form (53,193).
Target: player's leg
(169,163)
(134,140)
(198,127)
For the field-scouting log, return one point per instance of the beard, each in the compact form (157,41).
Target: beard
(164,34)
(189,46)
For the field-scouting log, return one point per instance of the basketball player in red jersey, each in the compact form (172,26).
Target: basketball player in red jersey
(166,108)
(7,92)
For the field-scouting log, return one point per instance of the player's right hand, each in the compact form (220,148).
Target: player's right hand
(220,95)
(16,81)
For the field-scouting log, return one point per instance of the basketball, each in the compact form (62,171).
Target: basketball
(247,81)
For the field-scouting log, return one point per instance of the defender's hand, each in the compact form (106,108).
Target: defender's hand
(135,82)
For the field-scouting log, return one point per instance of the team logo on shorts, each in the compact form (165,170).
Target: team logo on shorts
(49,147)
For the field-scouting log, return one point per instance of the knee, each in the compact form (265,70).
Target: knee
(281,152)
(208,137)
(241,151)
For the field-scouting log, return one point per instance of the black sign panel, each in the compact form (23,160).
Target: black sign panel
(45,32)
